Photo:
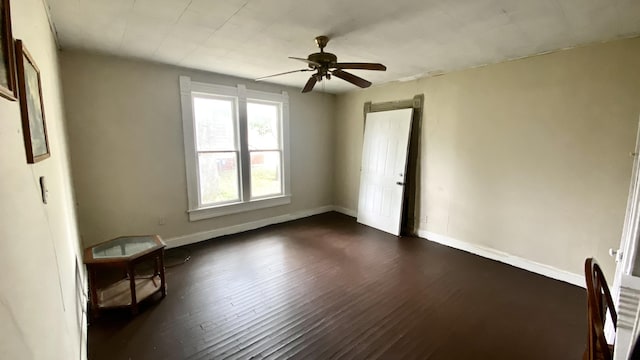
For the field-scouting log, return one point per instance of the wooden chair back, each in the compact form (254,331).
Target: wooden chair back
(599,301)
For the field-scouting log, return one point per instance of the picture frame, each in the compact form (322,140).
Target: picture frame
(34,126)
(7,54)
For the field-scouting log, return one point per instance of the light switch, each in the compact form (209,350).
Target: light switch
(43,190)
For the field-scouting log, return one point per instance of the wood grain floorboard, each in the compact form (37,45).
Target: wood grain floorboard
(326,287)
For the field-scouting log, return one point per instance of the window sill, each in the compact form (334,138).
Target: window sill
(228,209)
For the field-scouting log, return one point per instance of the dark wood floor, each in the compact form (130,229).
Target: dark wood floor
(326,287)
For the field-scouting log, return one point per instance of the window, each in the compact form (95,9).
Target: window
(236,148)
(217,149)
(265,151)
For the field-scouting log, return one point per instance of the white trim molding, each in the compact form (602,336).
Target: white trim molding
(234,229)
(483,251)
(343,210)
(503,257)
(207,213)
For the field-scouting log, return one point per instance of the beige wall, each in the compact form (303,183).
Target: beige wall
(529,157)
(40,308)
(125,134)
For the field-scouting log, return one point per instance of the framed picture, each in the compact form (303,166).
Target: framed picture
(34,127)
(7,58)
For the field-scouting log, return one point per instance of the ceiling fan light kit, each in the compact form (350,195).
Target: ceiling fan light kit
(326,64)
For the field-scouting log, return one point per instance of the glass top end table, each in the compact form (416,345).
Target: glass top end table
(125,246)
(125,253)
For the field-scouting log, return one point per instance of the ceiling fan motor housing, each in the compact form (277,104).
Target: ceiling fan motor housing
(326,60)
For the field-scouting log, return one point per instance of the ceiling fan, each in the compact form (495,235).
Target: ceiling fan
(326,65)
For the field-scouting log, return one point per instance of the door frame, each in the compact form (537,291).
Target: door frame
(626,286)
(626,253)
(411,196)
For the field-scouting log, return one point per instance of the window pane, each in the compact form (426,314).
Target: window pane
(263,122)
(218,177)
(214,124)
(266,176)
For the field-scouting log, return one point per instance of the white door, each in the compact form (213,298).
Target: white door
(384,161)
(626,283)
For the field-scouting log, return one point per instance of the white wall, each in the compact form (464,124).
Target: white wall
(528,157)
(40,308)
(125,135)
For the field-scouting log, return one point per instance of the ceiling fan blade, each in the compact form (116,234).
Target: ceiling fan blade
(363,66)
(284,73)
(310,84)
(313,63)
(355,80)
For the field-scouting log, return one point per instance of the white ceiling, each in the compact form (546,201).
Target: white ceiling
(253,38)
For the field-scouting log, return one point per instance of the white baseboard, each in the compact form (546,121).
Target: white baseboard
(503,257)
(493,254)
(234,229)
(345,211)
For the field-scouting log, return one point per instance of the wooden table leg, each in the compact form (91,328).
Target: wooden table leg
(163,285)
(132,285)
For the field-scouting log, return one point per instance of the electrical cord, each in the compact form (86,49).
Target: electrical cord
(176,257)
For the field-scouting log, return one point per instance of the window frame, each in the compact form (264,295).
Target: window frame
(198,211)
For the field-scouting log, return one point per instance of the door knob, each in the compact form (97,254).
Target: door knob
(400,183)
(617,254)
